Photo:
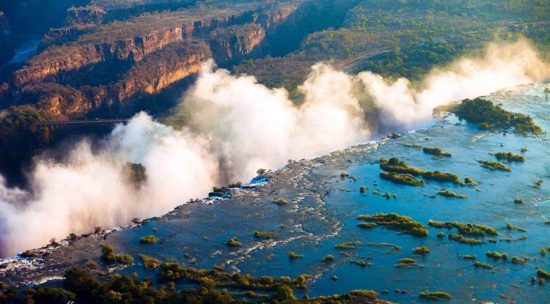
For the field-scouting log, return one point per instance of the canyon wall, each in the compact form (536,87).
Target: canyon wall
(142,62)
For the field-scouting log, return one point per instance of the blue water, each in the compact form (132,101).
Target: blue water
(313,230)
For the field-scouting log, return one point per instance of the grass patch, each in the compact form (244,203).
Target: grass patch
(367,225)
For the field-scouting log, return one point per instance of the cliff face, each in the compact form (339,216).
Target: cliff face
(144,55)
(236,42)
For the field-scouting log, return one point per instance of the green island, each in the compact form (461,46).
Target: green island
(148,239)
(478,264)
(449,193)
(398,222)
(436,151)
(234,242)
(464,240)
(398,166)
(266,235)
(422,250)
(465,229)
(495,255)
(404,179)
(489,116)
(346,246)
(494,165)
(510,157)
(434,295)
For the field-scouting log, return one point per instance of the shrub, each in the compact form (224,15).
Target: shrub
(148,239)
(234,242)
(263,235)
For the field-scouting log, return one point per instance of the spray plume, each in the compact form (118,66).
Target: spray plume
(233,126)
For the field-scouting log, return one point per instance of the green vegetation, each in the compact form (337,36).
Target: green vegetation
(209,286)
(148,239)
(510,157)
(367,225)
(404,179)
(345,246)
(518,260)
(461,239)
(397,166)
(543,273)
(149,262)
(294,255)
(363,189)
(465,229)
(422,250)
(539,183)
(328,258)
(398,222)
(518,201)
(449,193)
(108,255)
(488,115)
(435,295)
(469,181)
(495,255)
(514,227)
(478,264)
(361,263)
(468,257)
(440,235)
(234,242)
(281,201)
(494,166)
(263,235)
(436,151)
(407,263)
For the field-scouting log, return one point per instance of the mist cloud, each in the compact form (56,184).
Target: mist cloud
(233,126)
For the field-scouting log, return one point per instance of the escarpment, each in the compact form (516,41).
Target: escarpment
(92,66)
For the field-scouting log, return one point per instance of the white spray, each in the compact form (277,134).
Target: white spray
(234,126)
